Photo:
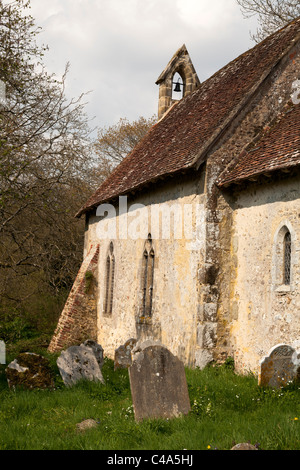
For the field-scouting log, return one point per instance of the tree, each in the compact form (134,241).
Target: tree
(115,142)
(44,162)
(48,169)
(272,14)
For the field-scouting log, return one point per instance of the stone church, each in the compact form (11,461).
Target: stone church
(194,239)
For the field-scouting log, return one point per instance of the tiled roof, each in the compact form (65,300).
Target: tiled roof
(181,138)
(278,149)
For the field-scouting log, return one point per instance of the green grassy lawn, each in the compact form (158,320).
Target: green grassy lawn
(226,409)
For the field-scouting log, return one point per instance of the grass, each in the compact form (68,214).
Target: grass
(226,409)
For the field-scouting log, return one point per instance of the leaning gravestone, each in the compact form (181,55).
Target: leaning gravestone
(123,354)
(29,371)
(280,367)
(158,384)
(79,363)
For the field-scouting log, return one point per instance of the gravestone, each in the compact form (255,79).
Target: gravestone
(79,363)
(2,352)
(280,367)
(158,384)
(123,354)
(30,371)
(97,349)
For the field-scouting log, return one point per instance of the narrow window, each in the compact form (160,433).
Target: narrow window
(109,286)
(287,259)
(148,277)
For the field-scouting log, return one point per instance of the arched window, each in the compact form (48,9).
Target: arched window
(287,258)
(177,87)
(148,276)
(109,281)
(282,269)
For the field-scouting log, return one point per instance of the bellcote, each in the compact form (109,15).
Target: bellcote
(179,73)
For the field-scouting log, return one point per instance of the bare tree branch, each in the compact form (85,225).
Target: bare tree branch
(272,14)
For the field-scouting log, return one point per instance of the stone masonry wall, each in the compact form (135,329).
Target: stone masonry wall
(176,265)
(182,64)
(217,282)
(265,312)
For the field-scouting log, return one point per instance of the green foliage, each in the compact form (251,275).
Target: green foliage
(14,329)
(31,325)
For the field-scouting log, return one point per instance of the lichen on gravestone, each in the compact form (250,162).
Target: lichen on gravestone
(29,371)
(80,363)
(123,358)
(97,349)
(158,384)
(280,367)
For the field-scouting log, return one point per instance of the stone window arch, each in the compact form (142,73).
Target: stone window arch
(283,257)
(109,279)
(178,80)
(147,277)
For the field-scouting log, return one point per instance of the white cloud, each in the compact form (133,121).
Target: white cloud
(117,48)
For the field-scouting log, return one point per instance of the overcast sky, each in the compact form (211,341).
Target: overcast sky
(118,48)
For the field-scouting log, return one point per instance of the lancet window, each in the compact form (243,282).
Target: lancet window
(148,277)
(109,282)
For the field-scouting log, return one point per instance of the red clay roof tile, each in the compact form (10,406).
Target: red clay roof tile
(278,149)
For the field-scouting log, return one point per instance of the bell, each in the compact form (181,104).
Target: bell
(177,87)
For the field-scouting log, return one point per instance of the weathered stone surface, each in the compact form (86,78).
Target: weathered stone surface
(123,354)
(158,384)
(244,446)
(86,424)
(97,349)
(29,371)
(79,363)
(180,61)
(279,367)
(2,353)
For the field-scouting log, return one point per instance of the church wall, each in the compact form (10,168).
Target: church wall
(265,312)
(176,264)
(274,93)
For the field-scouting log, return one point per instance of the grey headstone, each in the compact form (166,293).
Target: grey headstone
(279,367)
(158,384)
(123,354)
(2,352)
(79,363)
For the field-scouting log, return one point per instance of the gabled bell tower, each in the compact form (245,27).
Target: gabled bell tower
(179,75)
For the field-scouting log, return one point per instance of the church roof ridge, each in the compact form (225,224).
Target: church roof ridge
(182,138)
